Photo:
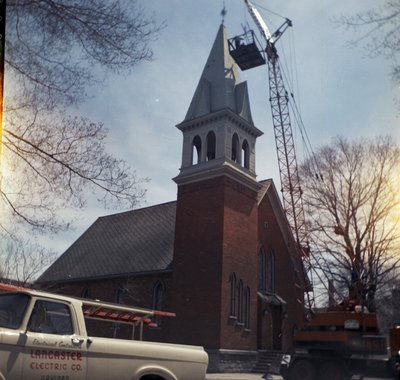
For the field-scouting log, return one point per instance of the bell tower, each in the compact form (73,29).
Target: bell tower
(218,130)
(214,285)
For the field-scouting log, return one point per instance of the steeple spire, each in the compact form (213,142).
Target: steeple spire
(219,86)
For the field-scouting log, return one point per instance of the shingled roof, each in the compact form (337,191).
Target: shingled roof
(127,243)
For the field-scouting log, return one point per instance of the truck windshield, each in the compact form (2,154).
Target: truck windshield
(12,309)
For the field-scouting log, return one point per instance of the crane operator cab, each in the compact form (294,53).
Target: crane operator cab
(246,51)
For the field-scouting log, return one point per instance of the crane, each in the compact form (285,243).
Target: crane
(246,57)
(331,342)
(279,99)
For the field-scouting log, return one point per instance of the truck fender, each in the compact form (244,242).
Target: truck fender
(155,370)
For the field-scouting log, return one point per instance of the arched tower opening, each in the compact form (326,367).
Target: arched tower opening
(245,154)
(211,146)
(196,150)
(235,148)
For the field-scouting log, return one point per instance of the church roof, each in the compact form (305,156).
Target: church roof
(219,86)
(127,243)
(137,242)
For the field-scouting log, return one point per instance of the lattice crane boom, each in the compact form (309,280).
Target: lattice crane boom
(285,147)
(258,20)
(247,55)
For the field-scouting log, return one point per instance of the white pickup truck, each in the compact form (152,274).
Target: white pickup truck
(43,336)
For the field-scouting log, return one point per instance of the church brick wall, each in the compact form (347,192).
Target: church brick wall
(271,237)
(216,233)
(240,257)
(197,263)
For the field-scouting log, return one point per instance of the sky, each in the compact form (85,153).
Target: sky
(339,90)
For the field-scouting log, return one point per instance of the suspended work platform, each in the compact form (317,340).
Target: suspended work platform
(246,50)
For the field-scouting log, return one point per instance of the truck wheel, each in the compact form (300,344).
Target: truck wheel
(302,370)
(333,370)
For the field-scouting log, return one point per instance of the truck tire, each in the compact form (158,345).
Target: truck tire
(333,370)
(302,369)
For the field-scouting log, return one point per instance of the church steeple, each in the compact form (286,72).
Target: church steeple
(216,211)
(219,86)
(219,135)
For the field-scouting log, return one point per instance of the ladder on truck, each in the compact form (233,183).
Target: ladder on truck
(105,311)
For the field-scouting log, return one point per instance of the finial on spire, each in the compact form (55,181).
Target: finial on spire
(223,12)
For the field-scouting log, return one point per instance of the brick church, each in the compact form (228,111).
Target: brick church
(222,256)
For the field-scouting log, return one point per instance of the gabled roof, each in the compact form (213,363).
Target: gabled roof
(127,243)
(219,86)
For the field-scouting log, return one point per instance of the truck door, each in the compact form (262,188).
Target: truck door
(12,312)
(52,348)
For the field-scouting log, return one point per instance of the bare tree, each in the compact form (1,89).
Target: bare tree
(379,30)
(56,50)
(53,161)
(23,261)
(352,195)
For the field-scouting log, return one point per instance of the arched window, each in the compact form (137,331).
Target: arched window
(196,150)
(158,299)
(85,293)
(240,302)
(271,271)
(245,154)
(247,309)
(232,308)
(211,145)
(119,295)
(262,270)
(235,156)
(158,295)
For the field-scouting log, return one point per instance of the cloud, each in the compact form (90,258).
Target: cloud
(339,91)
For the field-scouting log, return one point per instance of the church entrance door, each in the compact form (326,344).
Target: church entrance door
(270,328)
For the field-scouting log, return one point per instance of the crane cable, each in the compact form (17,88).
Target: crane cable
(290,75)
